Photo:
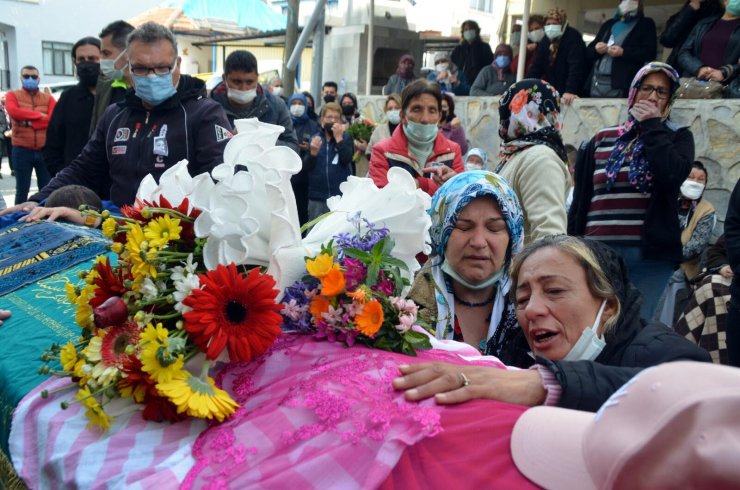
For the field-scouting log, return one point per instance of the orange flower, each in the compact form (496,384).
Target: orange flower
(360,295)
(369,321)
(518,102)
(332,283)
(318,306)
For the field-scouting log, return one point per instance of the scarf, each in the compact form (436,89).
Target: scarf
(404,73)
(629,147)
(562,18)
(529,115)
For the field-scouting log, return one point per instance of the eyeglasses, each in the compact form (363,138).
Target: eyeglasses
(27,76)
(157,70)
(662,93)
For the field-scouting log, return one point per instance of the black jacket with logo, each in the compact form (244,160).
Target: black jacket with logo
(130,142)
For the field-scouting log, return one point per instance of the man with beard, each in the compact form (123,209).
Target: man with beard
(70,121)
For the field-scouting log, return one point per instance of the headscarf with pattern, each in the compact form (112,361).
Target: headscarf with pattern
(562,18)
(629,147)
(529,114)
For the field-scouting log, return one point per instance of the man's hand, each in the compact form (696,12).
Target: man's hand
(644,109)
(23,207)
(315,145)
(440,174)
(4,315)
(52,214)
(601,47)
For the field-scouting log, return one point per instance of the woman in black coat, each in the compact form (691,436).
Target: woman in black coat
(622,46)
(472,54)
(680,24)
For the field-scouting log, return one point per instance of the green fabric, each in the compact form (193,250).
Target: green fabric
(119,84)
(41,315)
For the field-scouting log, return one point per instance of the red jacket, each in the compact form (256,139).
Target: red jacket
(30,113)
(394,152)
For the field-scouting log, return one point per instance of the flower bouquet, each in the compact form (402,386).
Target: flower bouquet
(352,293)
(361,130)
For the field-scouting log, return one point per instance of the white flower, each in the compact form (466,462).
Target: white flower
(149,290)
(183,287)
(174,184)
(406,322)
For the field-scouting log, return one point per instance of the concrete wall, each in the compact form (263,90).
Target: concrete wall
(714,123)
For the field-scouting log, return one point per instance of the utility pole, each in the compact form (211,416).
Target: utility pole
(291,36)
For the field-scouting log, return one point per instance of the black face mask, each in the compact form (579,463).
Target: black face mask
(88,72)
(348,110)
(330,98)
(328,126)
(444,116)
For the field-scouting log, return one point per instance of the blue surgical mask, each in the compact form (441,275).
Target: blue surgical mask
(420,133)
(394,116)
(30,84)
(502,61)
(108,68)
(589,345)
(154,89)
(553,31)
(469,35)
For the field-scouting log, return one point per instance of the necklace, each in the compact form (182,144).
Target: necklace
(475,305)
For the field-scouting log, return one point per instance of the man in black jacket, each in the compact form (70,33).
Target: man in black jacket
(242,97)
(165,120)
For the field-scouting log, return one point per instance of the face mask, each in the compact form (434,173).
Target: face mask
(109,70)
(553,31)
(154,89)
(589,346)
(481,285)
(733,7)
(88,72)
(30,84)
(297,110)
(691,190)
(420,133)
(473,166)
(502,61)
(628,6)
(469,35)
(242,96)
(440,67)
(330,98)
(536,35)
(328,127)
(277,91)
(348,110)
(516,37)
(443,115)
(394,116)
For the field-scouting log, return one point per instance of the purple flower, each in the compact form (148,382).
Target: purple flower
(354,273)
(297,300)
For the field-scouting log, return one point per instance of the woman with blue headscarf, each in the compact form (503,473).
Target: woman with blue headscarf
(305,127)
(628,180)
(477,226)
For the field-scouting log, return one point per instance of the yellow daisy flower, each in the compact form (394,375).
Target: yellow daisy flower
(142,256)
(117,248)
(84,312)
(161,230)
(161,356)
(71,291)
(321,265)
(95,411)
(109,227)
(68,357)
(103,373)
(198,398)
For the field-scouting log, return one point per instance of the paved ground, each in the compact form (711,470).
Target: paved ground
(7,184)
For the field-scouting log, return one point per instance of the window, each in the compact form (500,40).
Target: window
(57,58)
(482,5)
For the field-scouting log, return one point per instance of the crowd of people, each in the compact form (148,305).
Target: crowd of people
(547,257)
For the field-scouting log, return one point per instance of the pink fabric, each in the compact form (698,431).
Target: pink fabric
(552,387)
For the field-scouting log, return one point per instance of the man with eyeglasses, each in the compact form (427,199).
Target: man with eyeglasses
(165,119)
(30,110)
(114,78)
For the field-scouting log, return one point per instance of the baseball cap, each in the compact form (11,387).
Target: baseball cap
(676,425)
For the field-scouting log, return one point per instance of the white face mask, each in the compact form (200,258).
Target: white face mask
(277,91)
(440,67)
(589,345)
(536,35)
(394,116)
(242,96)
(297,110)
(473,166)
(447,268)
(691,189)
(627,6)
(109,70)
(553,31)
(469,35)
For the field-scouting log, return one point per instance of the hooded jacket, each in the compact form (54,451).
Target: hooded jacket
(265,107)
(131,141)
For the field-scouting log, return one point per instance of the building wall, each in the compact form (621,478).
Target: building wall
(714,123)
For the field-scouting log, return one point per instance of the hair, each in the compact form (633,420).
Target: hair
(29,67)
(240,60)
(92,41)
(352,96)
(119,31)
(150,33)
(536,18)
(73,196)
(504,47)
(308,96)
(700,166)
(596,279)
(330,84)
(473,24)
(392,97)
(273,80)
(331,106)
(450,106)
(416,89)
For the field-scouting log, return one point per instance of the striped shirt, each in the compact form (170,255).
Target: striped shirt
(614,216)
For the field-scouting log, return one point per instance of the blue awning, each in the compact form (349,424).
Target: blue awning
(246,13)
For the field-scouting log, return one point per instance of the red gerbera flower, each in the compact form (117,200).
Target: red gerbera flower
(116,340)
(109,282)
(234,311)
(187,233)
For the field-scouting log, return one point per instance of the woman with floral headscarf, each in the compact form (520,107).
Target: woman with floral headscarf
(476,229)
(404,75)
(532,156)
(627,183)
